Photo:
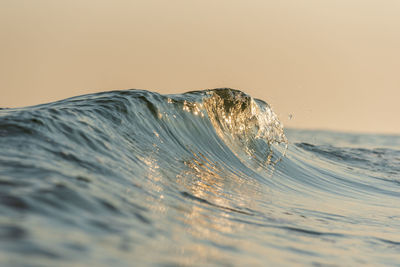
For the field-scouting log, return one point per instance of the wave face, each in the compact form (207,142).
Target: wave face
(209,177)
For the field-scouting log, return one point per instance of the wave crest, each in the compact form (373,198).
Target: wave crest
(235,113)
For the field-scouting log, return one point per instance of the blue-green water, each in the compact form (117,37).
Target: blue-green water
(207,178)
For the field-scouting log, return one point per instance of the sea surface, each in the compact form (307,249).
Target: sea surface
(205,178)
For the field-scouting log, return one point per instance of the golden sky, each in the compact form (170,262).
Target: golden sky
(332,64)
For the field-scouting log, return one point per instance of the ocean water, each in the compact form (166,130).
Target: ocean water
(205,178)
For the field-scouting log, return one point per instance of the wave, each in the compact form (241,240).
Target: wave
(220,123)
(205,177)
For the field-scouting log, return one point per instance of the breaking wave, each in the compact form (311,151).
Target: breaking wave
(202,178)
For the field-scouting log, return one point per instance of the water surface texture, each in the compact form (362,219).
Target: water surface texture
(133,178)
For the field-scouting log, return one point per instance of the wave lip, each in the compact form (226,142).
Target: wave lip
(236,113)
